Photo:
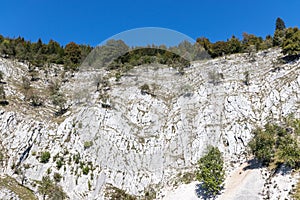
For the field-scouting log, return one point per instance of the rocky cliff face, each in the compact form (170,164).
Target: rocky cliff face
(136,140)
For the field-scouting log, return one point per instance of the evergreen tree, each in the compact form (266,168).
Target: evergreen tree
(72,55)
(211,172)
(280,25)
(235,45)
(205,43)
(291,42)
(278,38)
(279,32)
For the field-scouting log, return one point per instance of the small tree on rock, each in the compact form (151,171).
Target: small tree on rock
(211,172)
(59,100)
(72,55)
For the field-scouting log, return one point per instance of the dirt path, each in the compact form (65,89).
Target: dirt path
(244,183)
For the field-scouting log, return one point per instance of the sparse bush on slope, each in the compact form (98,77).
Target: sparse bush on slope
(277,144)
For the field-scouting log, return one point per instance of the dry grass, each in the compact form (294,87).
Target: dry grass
(15,187)
(296,194)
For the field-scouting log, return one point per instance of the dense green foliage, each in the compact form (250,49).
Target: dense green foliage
(291,42)
(39,53)
(118,58)
(288,39)
(278,37)
(147,56)
(211,172)
(279,32)
(116,55)
(57,97)
(277,144)
(72,55)
(249,43)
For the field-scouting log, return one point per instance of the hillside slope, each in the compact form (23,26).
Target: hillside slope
(140,141)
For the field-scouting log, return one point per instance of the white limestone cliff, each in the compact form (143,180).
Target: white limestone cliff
(143,141)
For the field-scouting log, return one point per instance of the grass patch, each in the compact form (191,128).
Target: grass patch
(22,191)
(115,193)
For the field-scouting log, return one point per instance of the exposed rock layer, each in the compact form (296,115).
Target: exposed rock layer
(142,140)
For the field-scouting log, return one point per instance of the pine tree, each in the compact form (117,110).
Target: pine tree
(280,25)
(279,32)
(291,42)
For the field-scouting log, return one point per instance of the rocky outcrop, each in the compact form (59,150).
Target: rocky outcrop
(137,140)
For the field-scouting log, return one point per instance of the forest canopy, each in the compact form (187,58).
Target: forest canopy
(72,55)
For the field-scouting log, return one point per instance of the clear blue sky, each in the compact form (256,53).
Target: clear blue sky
(91,22)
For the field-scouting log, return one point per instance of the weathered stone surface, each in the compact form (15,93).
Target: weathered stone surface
(146,139)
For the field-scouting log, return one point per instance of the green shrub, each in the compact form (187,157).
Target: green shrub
(215,77)
(49,170)
(85,170)
(262,145)
(211,172)
(49,189)
(59,163)
(145,89)
(115,193)
(59,100)
(87,144)
(45,156)
(57,177)
(289,151)
(277,144)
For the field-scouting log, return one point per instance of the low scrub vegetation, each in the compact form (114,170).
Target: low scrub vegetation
(277,144)
(45,156)
(115,193)
(47,188)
